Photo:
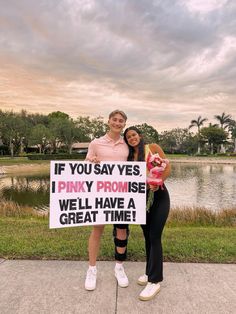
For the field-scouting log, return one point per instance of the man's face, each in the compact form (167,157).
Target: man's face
(116,123)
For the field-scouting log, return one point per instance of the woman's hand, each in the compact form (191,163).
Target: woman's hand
(154,188)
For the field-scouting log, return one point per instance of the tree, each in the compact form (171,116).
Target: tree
(224,120)
(39,136)
(214,136)
(178,141)
(69,133)
(98,127)
(56,124)
(167,142)
(58,115)
(37,118)
(232,130)
(150,134)
(91,128)
(13,131)
(198,123)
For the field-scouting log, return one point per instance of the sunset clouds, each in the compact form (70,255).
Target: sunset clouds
(163,62)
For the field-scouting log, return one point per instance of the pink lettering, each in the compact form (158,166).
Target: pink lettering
(61,186)
(71,186)
(115,186)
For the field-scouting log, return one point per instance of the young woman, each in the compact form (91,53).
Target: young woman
(156,215)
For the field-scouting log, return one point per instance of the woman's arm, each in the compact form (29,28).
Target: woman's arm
(157,149)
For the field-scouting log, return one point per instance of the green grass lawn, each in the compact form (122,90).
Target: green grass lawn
(31,238)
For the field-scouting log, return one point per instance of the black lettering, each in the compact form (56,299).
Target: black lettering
(128,171)
(87,217)
(96,168)
(87,168)
(79,217)
(134,215)
(110,168)
(94,214)
(131,203)
(98,202)
(121,168)
(134,187)
(63,219)
(106,212)
(71,217)
(89,185)
(106,203)
(136,170)
(64,204)
(56,169)
(53,186)
(119,215)
(72,204)
(72,167)
(83,203)
(142,187)
(59,168)
(127,216)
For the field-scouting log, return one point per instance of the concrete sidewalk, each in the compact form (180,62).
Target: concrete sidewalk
(58,287)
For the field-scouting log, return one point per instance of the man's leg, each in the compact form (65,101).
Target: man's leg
(121,233)
(93,248)
(94,243)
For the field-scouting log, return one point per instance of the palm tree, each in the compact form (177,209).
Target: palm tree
(224,120)
(232,129)
(198,123)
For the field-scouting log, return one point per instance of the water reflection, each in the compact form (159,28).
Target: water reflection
(211,186)
(26,190)
(204,185)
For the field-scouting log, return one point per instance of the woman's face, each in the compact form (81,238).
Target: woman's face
(133,138)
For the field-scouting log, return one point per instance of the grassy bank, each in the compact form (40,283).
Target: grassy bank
(186,216)
(200,238)
(31,238)
(20,161)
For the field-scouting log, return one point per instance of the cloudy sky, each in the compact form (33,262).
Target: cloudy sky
(163,62)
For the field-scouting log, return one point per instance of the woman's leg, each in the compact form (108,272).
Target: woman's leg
(157,219)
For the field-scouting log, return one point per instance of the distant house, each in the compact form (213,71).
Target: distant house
(80,148)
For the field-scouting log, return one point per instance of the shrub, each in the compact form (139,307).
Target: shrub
(56,156)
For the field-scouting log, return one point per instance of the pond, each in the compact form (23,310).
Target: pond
(203,185)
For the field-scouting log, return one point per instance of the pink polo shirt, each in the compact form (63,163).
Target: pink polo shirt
(106,149)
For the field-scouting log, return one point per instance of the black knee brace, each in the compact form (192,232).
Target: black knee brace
(120,243)
(121,257)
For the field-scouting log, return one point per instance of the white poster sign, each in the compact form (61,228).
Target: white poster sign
(84,193)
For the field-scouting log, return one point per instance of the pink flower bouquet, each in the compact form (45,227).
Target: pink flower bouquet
(156,166)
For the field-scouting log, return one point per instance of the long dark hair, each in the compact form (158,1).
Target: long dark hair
(141,145)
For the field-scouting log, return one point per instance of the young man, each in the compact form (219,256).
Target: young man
(110,147)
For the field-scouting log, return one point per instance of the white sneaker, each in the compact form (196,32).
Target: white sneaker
(142,280)
(91,278)
(121,277)
(149,291)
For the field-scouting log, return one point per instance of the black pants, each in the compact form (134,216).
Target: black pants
(156,219)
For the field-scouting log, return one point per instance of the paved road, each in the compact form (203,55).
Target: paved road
(50,287)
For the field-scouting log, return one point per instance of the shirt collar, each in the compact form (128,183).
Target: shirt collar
(109,139)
